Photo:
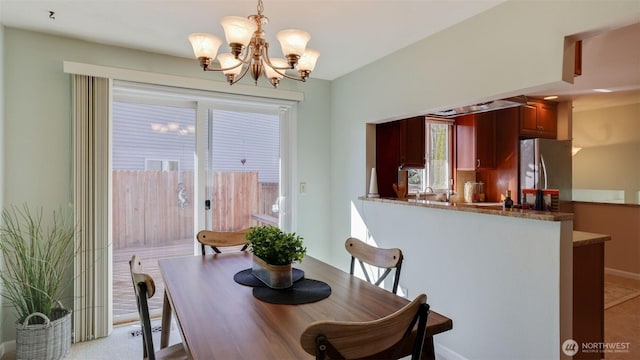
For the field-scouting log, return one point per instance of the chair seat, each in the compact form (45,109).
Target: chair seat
(173,352)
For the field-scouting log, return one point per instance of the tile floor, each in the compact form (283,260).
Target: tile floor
(622,322)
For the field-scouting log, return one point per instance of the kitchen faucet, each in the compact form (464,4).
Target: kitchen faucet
(449,191)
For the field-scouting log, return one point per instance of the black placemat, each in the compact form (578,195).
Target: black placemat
(303,291)
(245,277)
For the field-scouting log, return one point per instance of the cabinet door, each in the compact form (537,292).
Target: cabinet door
(539,120)
(465,143)
(548,120)
(476,141)
(485,125)
(387,157)
(412,140)
(529,120)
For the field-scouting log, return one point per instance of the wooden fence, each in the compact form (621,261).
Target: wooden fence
(147,210)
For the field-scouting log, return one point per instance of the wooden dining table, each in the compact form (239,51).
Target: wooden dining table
(221,319)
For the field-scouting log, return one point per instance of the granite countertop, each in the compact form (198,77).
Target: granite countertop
(581,238)
(480,208)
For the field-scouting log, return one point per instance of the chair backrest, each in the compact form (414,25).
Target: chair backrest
(387,259)
(219,239)
(391,335)
(144,287)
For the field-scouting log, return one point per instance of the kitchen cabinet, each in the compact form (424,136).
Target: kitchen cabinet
(412,140)
(398,144)
(475,141)
(387,157)
(539,119)
(588,294)
(507,164)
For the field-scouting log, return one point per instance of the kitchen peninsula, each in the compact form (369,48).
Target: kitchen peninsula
(507,272)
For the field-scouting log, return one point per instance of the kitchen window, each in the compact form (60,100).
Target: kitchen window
(437,171)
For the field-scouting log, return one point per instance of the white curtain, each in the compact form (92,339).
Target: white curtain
(92,317)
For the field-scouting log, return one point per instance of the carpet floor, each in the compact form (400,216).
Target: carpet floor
(124,343)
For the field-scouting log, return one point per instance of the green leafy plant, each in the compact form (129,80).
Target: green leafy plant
(35,259)
(274,246)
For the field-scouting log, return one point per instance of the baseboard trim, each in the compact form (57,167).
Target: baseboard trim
(7,348)
(624,274)
(444,353)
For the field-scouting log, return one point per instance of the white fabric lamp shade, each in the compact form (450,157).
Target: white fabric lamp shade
(238,30)
(293,42)
(227,60)
(205,45)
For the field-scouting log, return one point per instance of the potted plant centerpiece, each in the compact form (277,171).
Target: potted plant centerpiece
(273,253)
(35,258)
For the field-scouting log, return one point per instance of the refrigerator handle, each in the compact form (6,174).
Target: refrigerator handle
(544,170)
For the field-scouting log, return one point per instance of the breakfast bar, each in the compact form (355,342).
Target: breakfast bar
(515,267)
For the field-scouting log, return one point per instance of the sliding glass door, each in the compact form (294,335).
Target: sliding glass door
(153,184)
(245,167)
(186,160)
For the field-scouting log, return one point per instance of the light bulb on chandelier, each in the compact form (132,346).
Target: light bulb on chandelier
(250,51)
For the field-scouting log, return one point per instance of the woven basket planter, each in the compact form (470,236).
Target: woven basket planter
(48,341)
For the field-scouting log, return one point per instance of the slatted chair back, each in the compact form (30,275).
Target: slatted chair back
(391,337)
(145,288)
(220,239)
(387,259)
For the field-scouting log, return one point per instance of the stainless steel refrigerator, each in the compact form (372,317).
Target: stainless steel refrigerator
(545,164)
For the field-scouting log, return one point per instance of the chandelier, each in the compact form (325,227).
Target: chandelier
(250,51)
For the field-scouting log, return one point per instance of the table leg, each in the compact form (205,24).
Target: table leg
(166,322)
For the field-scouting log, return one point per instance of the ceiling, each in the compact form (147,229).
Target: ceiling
(348,34)
(610,60)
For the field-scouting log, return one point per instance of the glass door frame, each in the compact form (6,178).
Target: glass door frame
(287,111)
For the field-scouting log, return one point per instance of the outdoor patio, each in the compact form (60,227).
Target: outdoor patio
(124,303)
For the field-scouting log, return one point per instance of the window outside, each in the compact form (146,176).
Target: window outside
(437,171)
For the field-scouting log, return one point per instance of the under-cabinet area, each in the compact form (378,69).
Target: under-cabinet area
(479,145)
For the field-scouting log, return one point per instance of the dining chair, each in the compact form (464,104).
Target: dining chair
(145,288)
(218,239)
(387,259)
(392,337)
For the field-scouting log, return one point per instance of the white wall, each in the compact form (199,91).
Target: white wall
(37,147)
(515,46)
(496,277)
(610,138)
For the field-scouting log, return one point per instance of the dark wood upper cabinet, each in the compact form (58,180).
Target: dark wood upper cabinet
(398,144)
(387,157)
(475,141)
(539,120)
(412,140)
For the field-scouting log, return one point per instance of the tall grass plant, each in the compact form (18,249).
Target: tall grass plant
(36,257)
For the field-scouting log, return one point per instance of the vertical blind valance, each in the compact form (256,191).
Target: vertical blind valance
(91,183)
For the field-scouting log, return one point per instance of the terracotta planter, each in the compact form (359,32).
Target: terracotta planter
(274,276)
